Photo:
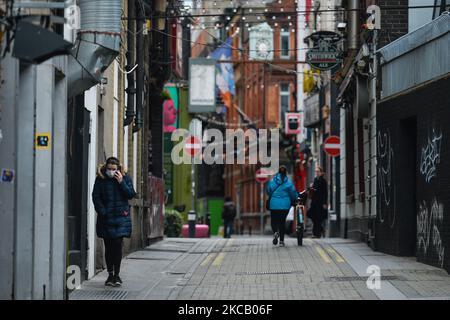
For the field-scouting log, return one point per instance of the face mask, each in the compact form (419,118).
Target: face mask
(110,173)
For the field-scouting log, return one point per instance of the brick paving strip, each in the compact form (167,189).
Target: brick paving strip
(244,268)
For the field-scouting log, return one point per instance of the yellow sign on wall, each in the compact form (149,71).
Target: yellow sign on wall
(309,81)
(42,141)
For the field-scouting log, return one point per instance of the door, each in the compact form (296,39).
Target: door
(407,186)
(78,151)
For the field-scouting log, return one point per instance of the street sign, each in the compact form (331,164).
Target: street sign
(192,145)
(332,146)
(262,175)
(326,57)
(42,141)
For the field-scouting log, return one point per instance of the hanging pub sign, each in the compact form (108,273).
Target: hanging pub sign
(325,57)
(202,85)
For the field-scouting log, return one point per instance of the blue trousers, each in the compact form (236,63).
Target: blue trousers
(227,228)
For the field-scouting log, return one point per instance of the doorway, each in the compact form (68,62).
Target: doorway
(77,171)
(407,186)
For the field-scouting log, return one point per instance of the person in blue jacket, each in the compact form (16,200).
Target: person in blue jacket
(282,194)
(112,190)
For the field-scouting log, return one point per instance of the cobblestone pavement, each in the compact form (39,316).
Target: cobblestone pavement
(244,268)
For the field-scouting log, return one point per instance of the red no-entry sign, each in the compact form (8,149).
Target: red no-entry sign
(262,175)
(192,145)
(332,146)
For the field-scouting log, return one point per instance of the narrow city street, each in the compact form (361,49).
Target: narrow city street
(137,136)
(252,268)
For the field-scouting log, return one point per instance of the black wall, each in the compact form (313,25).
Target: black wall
(413,193)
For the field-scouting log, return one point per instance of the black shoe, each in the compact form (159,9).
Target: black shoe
(117,281)
(110,281)
(275,238)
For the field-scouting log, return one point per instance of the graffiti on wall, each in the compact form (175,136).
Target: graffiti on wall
(386,178)
(430,156)
(429,222)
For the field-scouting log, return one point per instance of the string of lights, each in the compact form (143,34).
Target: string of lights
(266,61)
(244,11)
(287,70)
(226,124)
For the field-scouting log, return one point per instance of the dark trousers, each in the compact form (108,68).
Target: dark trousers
(227,228)
(278,222)
(113,254)
(318,227)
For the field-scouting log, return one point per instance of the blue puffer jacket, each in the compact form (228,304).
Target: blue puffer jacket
(111,203)
(283,196)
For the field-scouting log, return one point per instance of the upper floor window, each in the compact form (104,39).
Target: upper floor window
(285,43)
(285,94)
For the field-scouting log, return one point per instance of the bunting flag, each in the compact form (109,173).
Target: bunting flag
(225,72)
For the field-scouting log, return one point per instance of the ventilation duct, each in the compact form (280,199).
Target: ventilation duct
(97,43)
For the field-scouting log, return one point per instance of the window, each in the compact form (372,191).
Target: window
(285,39)
(285,93)
(440,6)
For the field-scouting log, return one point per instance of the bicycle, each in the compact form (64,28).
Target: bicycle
(300,214)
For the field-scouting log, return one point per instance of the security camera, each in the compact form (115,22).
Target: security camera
(341,26)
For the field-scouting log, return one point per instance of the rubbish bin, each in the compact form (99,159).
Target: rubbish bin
(333,224)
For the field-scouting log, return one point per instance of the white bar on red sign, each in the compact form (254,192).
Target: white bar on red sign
(193,146)
(332,146)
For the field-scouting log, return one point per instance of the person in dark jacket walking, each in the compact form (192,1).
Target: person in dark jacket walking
(282,195)
(319,203)
(112,190)
(228,216)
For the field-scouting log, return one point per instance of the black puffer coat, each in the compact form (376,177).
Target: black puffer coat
(111,203)
(320,197)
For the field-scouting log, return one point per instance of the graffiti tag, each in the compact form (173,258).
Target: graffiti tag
(429,221)
(386,179)
(431,156)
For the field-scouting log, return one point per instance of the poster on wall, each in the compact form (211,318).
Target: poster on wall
(179,50)
(170,118)
(170,108)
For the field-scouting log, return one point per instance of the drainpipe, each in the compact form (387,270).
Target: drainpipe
(138,123)
(96,46)
(353,24)
(130,90)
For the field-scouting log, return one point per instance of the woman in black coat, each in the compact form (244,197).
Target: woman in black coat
(319,203)
(112,190)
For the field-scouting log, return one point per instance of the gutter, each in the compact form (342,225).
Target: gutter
(130,90)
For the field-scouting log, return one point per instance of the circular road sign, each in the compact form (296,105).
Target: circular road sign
(262,175)
(332,146)
(192,145)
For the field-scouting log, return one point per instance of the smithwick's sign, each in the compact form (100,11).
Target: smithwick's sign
(325,57)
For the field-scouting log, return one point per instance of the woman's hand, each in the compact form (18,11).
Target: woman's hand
(118,176)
